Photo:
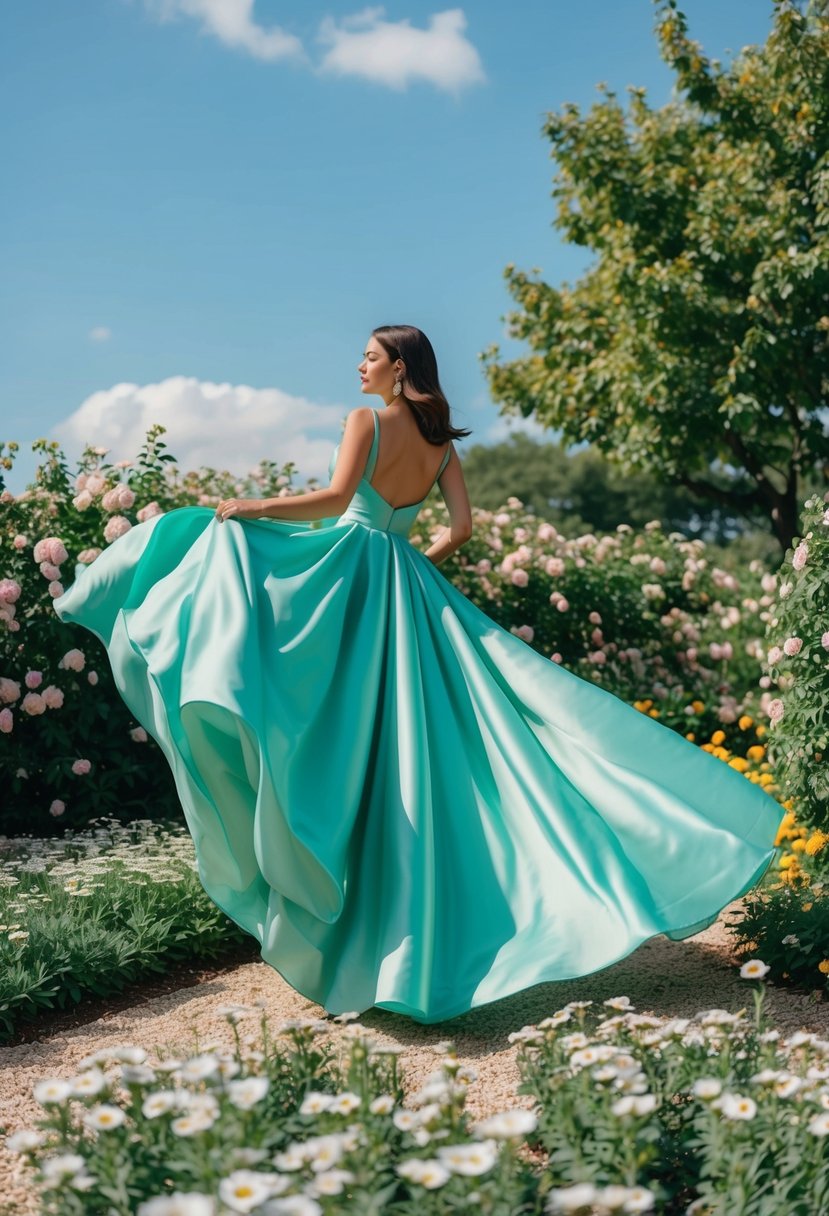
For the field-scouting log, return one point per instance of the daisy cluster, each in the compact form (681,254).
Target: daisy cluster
(292,1140)
(642,1113)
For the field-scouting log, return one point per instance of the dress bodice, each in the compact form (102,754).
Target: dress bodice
(368,506)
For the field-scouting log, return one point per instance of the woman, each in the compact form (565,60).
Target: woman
(406,804)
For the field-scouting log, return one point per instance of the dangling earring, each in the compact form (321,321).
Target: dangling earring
(398,388)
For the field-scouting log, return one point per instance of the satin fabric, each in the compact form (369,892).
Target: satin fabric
(406,804)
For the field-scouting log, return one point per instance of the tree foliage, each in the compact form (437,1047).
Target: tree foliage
(696,346)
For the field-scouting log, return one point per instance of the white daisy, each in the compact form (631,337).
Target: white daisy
(248,1091)
(428,1173)
(104,1117)
(506,1124)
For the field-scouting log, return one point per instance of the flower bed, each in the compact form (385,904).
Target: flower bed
(96,911)
(715,1115)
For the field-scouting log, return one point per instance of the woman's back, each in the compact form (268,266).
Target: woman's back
(407,464)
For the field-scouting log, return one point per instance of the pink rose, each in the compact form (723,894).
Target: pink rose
(554,566)
(33,679)
(9,590)
(49,571)
(594,618)
(774,656)
(93,677)
(94,484)
(117,525)
(526,632)
(519,578)
(563,604)
(792,646)
(597,656)
(81,767)
(126,497)
(87,556)
(33,703)
(775,710)
(555,656)
(50,549)
(55,589)
(800,555)
(138,734)
(80,481)
(20,541)
(109,501)
(73,660)
(82,501)
(6,721)
(824,641)
(53,696)
(9,690)
(57,807)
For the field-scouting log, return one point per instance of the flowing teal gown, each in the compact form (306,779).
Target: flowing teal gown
(406,804)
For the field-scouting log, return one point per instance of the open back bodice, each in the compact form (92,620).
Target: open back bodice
(369,507)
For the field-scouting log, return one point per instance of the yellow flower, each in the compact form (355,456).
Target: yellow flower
(718,736)
(745,722)
(739,763)
(691,736)
(798,846)
(815,842)
(765,778)
(807,907)
(653,713)
(756,752)
(787,861)
(760,730)
(823,966)
(697,706)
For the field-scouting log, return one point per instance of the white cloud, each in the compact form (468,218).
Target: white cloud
(100,334)
(364,44)
(394,53)
(225,426)
(231,21)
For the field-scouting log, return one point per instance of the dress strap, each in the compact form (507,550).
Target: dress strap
(445,460)
(372,456)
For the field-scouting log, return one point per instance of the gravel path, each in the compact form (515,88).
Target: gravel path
(664,978)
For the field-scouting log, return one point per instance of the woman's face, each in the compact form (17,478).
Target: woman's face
(377,372)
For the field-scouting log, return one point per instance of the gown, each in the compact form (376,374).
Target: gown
(407,805)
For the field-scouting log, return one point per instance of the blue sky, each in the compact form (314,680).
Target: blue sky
(208,204)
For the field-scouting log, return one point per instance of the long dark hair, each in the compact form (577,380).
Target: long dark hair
(421,386)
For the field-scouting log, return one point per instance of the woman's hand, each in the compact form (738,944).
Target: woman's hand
(239,508)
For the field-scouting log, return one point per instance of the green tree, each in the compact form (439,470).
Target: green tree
(696,345)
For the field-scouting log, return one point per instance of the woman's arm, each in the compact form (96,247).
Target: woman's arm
(317,504)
